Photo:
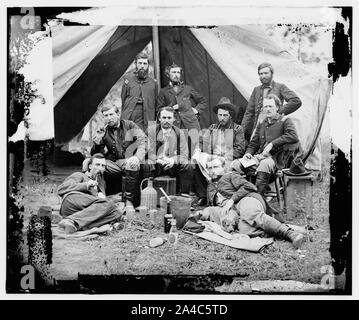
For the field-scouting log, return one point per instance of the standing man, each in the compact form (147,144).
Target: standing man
(224,139)
(273,145)
(124,145)
(139,94)
(169,150)
(186,101)
(84,204)
(253,113)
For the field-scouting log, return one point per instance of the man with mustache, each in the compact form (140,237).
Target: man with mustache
(236,204)
(84,203)
(186,101)
(224,139)
(274,144)
(168,151)
(253,114)
(139,94)
(124,145)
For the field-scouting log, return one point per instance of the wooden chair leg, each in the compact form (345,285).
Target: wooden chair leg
(284,192)
(277,189)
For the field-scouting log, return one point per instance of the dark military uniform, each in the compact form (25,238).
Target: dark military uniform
(255,104)
(233,148)
(82,206)
(139,100)
(174,146)
(281,133)
(186,98)
(122,142)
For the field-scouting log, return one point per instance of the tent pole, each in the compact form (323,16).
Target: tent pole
(156,54)
(90,143)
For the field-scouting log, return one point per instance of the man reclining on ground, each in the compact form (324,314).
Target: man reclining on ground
(236,204)
(84,205)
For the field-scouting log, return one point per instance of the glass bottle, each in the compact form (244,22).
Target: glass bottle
(167,218)
(173,235)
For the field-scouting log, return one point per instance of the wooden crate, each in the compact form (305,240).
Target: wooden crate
(299,197)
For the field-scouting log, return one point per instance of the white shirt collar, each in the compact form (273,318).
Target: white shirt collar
(166,131)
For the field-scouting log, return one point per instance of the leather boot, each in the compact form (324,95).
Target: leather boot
(131,186)
(185,179)
(262,181)
(273,227)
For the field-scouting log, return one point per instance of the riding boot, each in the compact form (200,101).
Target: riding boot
(262,181)
(131,186)
(274,228)
(185,179)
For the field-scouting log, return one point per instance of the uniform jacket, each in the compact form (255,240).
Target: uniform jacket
(77,183)
(186,98)
(234,137)
(233,186)
(281,133)
(255,103)
(132,90)
(178,146)
(129,138)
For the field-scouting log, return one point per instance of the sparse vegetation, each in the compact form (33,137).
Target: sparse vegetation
(127,251)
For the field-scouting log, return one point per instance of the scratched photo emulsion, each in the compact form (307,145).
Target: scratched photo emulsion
(152,153)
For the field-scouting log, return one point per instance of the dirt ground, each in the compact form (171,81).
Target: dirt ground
(127,251)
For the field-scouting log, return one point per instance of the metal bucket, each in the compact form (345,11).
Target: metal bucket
(180,208)
(167,183)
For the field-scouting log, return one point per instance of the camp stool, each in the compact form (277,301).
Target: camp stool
(280,188)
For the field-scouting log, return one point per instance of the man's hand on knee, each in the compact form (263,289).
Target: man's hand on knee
(132,163)
(169,163)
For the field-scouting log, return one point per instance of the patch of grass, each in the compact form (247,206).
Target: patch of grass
(127,251)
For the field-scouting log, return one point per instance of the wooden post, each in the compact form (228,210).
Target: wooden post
(90,133)
(156,54)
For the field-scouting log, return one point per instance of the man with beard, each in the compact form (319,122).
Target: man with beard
(187,102)
(253,114)
(169,150)
(274,144)
(230,192)
(84,204)
(139,94)
(224,139)
(124,145)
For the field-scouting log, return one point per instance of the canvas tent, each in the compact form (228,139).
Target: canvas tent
(218,61)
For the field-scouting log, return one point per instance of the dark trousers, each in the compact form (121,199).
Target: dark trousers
(117,172)
(200,183)
(182,173)
(88,211)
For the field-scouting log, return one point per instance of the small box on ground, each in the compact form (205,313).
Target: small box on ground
(299,197)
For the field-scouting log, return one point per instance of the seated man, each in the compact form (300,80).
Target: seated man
(230,192)
(268,147)
(168,150)
(224,139)
(84,204)
(121,138)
